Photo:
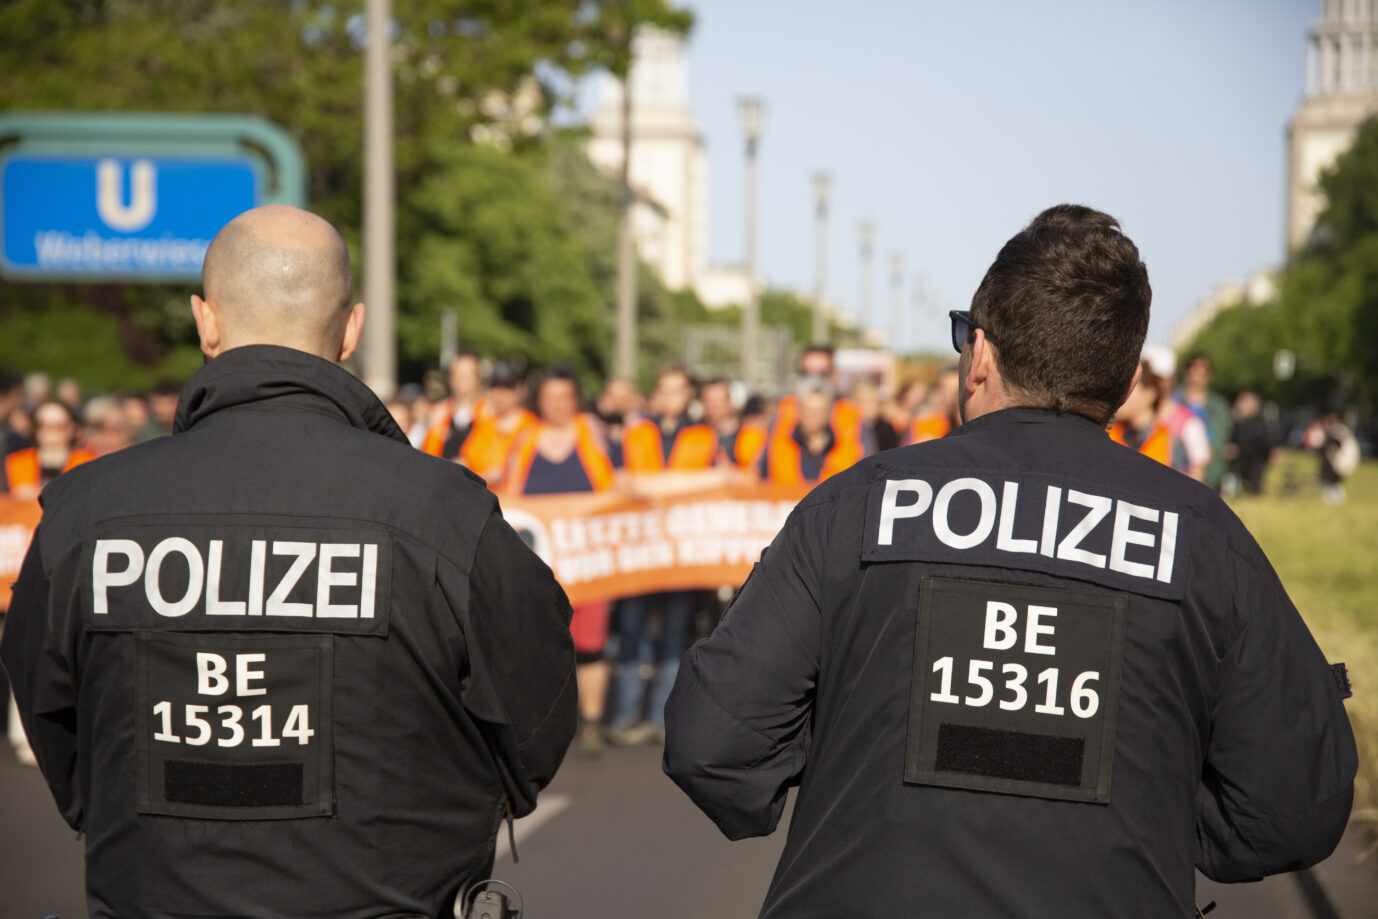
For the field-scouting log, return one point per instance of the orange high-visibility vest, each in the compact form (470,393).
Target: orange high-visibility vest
(22,469)
(749,445)
(933,426)
(1157,445)
(439,433)
(784,464)
(592,456)
(488,447)
(845,419)
(643,450)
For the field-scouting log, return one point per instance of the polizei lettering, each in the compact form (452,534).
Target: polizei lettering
(1029,522)
(233,581)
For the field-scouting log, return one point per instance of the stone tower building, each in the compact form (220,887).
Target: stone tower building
(1341,93)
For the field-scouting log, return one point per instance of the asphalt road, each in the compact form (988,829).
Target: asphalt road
(614,839)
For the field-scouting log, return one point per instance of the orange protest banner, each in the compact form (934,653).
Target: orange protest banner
(671,531)
(18,520)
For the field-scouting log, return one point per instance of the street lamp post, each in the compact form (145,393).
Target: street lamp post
(868,243)
(822,188)
(896,300)
(751,113)
(624,345)
(380,193)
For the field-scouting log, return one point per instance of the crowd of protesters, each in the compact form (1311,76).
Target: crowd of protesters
(536,433)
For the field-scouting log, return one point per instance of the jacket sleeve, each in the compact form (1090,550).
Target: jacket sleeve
(738,720)
(520,685)
(33,649)
(1278,780)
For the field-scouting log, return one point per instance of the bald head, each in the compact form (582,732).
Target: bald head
(277,275)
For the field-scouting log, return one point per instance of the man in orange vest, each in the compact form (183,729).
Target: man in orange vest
(55,451)
(810,450)
(939,416)
(1136,422)
(457,415)
(740,442)
(667,440)
(489,444)
(817,367)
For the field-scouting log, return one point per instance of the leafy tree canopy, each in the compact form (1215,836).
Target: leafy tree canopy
(1326,310)
(481,224)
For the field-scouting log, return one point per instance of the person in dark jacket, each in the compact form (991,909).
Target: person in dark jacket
(1021,670)
(280,663)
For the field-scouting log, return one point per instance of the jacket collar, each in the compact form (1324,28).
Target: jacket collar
(1030,415)
(262,373)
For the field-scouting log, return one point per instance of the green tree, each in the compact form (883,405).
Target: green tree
(1326,310)
(475,229)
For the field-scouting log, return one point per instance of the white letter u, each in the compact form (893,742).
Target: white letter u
(143,195)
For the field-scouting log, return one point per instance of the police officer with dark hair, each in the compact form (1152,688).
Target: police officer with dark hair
(281,663)
(1021,670)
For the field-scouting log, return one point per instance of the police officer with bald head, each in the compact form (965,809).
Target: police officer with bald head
(281,663)
(1021,670)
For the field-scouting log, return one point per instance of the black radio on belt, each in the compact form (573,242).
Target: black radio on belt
(483,902)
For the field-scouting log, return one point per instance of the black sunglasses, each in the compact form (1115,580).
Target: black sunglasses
(963,327)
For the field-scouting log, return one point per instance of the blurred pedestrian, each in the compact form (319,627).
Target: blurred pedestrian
(739,442)
(665,440)
(938,416)
(1212,408)
(106,428)
(453,419)
(810,450)
(162,410)
(1192,447)
(55,450)
(11,404)
(1137,424)
(489,444)
(876,432)
(1251,443)
(817,373)
(1338,454)
(562,453)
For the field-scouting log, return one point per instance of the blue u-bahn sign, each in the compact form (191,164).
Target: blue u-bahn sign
(132,197)
(118,216)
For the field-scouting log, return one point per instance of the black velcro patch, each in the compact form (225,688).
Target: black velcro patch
(1341,675)
(230,785)
(1015,688)
(1010,754)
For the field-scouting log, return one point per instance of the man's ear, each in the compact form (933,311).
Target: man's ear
(354,327)
(982,363)
(207,326)
(1138,372)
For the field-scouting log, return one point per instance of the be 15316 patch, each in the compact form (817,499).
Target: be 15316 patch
(1015,689)
(235,727)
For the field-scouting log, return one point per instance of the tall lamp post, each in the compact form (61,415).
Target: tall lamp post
(380,259)
(822,188)
(624,345)
(868,244)
(751,113)
(896,301)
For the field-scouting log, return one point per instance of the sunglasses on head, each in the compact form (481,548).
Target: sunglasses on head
(963,327)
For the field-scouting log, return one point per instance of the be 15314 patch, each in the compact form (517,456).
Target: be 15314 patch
(235,727)
(1015,689)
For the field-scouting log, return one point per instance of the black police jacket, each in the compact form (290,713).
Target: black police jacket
(1020,671)
(282,664)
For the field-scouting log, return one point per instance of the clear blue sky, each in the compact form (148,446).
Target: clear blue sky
(952,123)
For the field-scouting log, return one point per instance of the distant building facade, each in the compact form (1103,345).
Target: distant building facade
(1341,93)
(669,173)
(1256,290)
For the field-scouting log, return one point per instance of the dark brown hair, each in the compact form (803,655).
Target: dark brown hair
(1067,299)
